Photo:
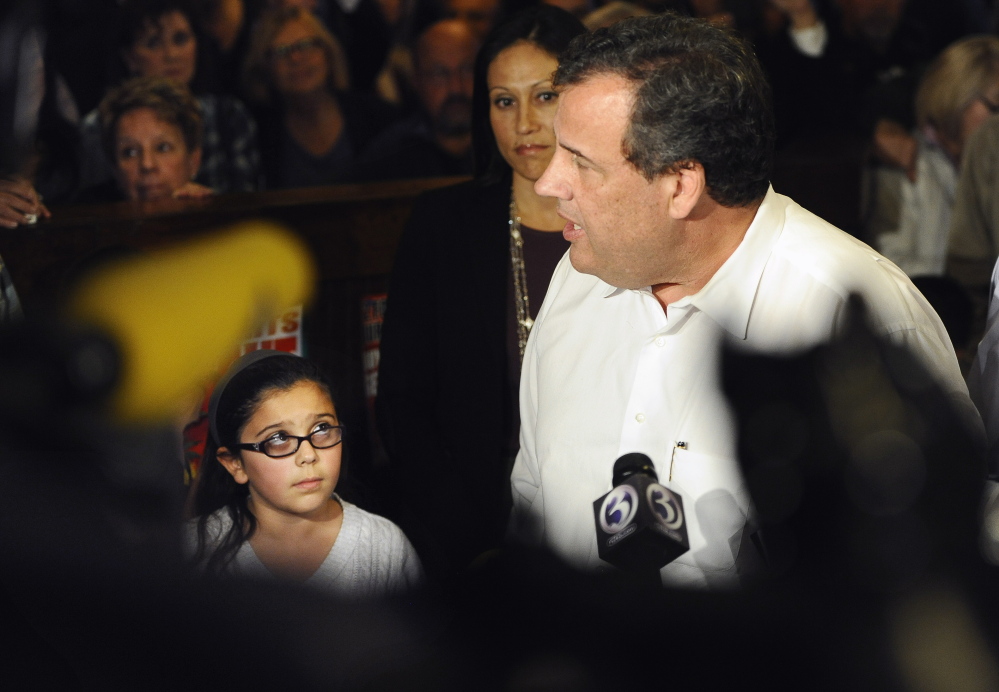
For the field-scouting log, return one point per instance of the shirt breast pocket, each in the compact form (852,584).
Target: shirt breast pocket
(717,506)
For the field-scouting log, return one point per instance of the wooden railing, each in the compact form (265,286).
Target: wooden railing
(353,231)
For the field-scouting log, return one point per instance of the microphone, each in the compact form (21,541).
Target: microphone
(640,523)
(179,314)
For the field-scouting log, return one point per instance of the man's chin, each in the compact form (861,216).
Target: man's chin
(454,120)
(581,263)
(454,129)
(585,265)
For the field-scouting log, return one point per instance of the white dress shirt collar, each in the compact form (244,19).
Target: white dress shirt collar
(729,295)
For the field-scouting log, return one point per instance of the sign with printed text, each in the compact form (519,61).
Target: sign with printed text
(372,314)
(284,333)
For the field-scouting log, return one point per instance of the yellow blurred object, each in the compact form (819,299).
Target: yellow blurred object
(179,314)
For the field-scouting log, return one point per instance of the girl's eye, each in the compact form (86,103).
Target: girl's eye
(325,435)
(278,444)
(548,96)
(181,38)
(152,43)
(128,153)
(164,147)
(503,102)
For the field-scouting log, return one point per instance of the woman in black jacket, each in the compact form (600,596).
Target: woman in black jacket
(470,275)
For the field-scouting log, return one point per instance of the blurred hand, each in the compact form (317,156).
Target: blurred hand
(800,12)
(20,204)
(895,146)
(192,191)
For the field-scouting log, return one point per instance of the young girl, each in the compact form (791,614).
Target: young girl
(265,502)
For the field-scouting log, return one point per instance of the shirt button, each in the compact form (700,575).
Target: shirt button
(660,341)
(640,417)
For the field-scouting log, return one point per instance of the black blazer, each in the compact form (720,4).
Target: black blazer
(443,408)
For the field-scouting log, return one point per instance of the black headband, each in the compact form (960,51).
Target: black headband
(241,364)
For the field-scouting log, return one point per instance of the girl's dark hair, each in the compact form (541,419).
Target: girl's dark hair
(241,393)
(547,27)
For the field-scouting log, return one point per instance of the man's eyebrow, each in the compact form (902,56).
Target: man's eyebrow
(575,152)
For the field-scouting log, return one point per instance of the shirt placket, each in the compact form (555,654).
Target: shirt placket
(651,413)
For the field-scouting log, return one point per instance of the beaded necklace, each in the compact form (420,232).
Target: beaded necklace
(520,299)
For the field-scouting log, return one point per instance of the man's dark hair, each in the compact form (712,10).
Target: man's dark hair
(700,97)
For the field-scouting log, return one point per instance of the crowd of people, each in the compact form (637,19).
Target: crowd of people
(477,381)
(617,278)
(309,92)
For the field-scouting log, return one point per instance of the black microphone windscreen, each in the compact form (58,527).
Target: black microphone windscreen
(630,464)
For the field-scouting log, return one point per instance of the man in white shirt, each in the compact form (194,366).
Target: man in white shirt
(664,148)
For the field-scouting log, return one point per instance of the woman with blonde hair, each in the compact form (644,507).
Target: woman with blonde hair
(958,92)
(312,127)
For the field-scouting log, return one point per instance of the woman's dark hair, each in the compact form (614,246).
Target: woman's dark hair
(136,16)
(240,394)
(547,27)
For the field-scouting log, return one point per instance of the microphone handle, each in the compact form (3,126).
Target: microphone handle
(646,579)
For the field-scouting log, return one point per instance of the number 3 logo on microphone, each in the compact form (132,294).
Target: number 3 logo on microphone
(665,506)
(619,508)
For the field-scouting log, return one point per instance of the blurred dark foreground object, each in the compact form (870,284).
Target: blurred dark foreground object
(866,481)
(864,474)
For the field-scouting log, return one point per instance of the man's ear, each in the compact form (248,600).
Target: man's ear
(233,464)
(686,187)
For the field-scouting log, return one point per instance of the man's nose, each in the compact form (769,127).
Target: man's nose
(459,81)
(551,182)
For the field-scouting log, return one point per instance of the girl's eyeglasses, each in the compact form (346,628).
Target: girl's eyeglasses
(284,445)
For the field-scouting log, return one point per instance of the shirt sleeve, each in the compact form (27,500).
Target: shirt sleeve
(973,227)
(243,153)
(411,570)
(810,41)
(94,166)
(983,379)
(919,244)
(527,516)
(402,568)
(525,480)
